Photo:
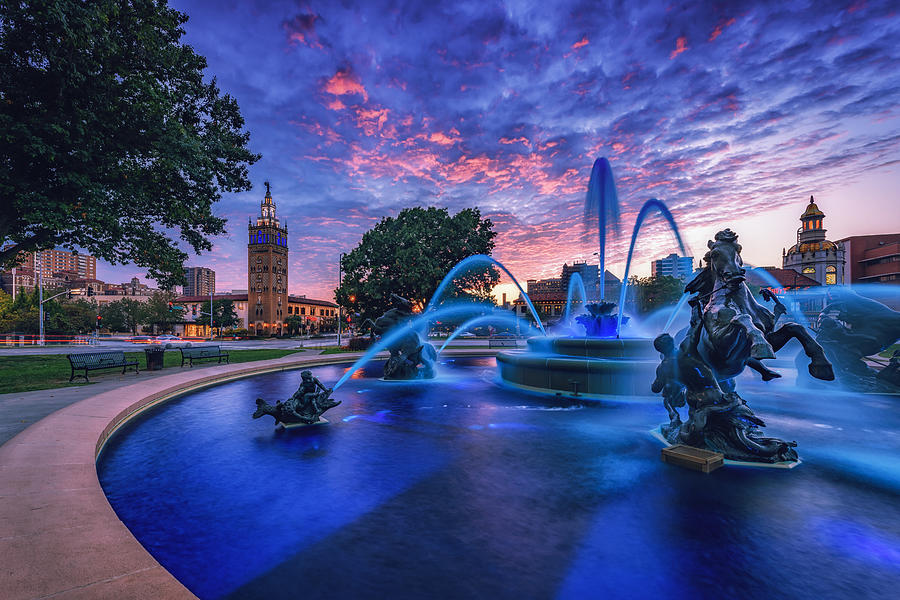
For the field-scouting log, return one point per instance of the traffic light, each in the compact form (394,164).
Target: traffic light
(90,291)
(69,294)
(171,304)
(99,319)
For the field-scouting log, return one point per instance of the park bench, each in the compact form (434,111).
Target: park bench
(202,353)
(503,343)
(91,361)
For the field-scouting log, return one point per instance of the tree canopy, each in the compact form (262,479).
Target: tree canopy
(410,254)
(652,293)
(224,313)
(112,142)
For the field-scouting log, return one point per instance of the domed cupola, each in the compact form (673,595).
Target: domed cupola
(813,255)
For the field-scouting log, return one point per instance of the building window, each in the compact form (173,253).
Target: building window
(809,270)
(830,275)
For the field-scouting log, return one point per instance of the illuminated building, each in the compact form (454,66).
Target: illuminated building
(814,256)
(267,271)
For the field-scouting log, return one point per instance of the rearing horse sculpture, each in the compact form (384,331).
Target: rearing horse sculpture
(737,330)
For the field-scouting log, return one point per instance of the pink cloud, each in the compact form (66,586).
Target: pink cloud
(680,46)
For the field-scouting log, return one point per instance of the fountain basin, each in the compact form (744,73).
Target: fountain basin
(581,366)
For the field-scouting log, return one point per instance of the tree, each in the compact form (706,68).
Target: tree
(294,324)
(224,313)
(71,316)
(652,293)
(124,315)
(158,313)
(110,139)
(409,255)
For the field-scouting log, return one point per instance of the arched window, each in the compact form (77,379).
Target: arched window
(809,270)
(830,275)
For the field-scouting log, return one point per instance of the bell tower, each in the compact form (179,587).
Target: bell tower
(267,271)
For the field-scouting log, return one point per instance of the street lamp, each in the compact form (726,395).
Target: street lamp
(340,308)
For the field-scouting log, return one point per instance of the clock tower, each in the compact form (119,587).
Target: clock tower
(267,271)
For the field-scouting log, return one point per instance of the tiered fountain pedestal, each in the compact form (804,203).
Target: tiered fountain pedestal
(579,367)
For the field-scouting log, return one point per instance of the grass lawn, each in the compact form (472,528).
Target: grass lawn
(27,373)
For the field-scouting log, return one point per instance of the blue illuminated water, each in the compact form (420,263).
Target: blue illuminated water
(602,203)
(458,488)
(652,204)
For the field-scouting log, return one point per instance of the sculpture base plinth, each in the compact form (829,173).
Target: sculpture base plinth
(321,421)
(692,458)
(657,434)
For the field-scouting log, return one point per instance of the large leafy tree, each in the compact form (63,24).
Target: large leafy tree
(110,138)
(409,256)
(124,315)
(225,316)
(159,316)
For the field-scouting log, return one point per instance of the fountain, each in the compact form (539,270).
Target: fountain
(602,362)
(584,498)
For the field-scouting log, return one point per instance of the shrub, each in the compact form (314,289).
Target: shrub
(357,344)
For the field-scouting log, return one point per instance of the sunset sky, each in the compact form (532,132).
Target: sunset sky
(731,114)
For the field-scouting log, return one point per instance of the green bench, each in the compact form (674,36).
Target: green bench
(92,361)
(202,353)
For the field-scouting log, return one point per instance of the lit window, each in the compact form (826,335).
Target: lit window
(809,270)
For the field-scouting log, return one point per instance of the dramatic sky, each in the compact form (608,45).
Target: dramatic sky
(732,114)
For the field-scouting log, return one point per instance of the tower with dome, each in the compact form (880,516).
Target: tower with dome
(813,255)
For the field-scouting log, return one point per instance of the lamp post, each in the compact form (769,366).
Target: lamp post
(340,312)
(40,295)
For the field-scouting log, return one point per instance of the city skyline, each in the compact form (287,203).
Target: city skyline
(733,116)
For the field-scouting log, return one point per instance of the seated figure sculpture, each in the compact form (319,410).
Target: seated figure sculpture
(305,406)
(599,322)
(729,331)
(411,356)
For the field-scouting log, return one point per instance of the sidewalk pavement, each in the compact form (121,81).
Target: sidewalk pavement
(20,410)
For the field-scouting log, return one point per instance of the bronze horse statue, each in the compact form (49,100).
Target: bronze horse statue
(737,330)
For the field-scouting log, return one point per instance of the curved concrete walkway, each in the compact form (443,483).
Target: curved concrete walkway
(59,537)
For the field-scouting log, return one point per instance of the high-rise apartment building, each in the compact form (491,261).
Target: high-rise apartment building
(267,271)
(50,262)
(200,281)
(680,267)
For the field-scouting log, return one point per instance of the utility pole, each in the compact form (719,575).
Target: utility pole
(14,284)
(340,311)
(211,311)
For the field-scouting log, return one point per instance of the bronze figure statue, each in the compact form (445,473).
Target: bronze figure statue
(306,406)
(411,356)
(852,327)
(729,331)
